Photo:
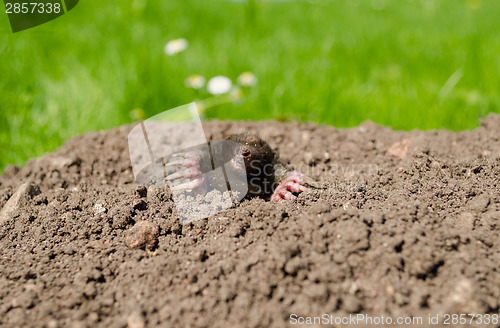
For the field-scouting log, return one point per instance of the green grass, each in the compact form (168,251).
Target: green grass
(408,64)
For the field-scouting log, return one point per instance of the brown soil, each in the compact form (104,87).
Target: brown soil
(403,224)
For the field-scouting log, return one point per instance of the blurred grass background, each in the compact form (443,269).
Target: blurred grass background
(405,63)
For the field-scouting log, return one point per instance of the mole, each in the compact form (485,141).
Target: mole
(267,176)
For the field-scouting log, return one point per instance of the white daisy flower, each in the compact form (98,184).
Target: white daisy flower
(247,79)
(219,85)
(173,47)
(201,107)
(195,81)
(137,114)
(236,94)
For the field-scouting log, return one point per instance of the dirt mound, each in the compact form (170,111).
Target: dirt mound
(403,224)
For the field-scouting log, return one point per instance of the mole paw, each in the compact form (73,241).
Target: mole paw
(294,183)
(184,173)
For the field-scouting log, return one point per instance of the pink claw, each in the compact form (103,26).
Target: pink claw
(192,162)
(294,183)
(190,159)
(191,172)
(193,184)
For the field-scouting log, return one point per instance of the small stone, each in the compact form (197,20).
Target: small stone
(317,292)
(121,222)
(12,170)
(90,291)
(60,162)
(31,288)
(99,208)
(351,304)
(400,149)
(142,191)
(426,266)
(135,320)
(21,197)
(462,297)
(140,205)
(144,234)
(466,220)
(479,203)
(25,300)
(291,250)
(52,324)
(201,255)
(236,230)
(293,266)
(93,317)
(320,207)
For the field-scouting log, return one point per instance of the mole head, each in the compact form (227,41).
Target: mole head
(255,152)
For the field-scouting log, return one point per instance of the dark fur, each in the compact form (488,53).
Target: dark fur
(261,164)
